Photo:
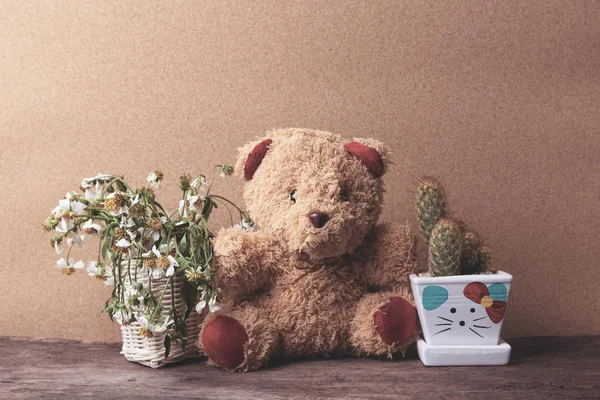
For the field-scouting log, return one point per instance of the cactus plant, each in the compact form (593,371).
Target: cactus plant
(453,248)
(430,204)
(470,252)
(484,260)
(445,247)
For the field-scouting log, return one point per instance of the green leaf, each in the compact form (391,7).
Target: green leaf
(184,341)
(105,248)
(167,344)
(183,263)
(183,244)
(189,294)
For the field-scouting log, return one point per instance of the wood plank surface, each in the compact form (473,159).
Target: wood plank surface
(548,368)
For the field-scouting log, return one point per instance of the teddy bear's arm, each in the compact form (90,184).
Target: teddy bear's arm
(245,261)
(394,257)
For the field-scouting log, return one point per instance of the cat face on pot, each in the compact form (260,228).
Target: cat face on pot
(314,191)
(463,314)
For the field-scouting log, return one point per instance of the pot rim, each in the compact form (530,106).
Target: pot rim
(498,277)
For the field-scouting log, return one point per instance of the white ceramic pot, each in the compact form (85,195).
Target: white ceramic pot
(463,310)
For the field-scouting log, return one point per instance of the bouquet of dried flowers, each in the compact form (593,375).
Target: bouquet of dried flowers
(139,239)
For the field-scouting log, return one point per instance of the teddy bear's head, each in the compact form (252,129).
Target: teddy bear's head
(314,191)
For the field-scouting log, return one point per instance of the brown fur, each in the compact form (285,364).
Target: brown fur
(303,291)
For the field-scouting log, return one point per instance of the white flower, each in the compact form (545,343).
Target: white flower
(100,273)
(126,243)
(127,222)
(244,226)
(73,237)
(155,271)
(161,263)
(195,203)
(92,268)
(123,243)
(156,227)
(93,195)
(65,227)
(87,182)
(152,327)
(58,247)
(182,209)
(131,293)
(68,267)
(165,248)
(212,305)
(99,187)
(116,203)
(198,182)
(65,205)
(172,264)
(122,316)
(92,228)
(151,252)
(154,179)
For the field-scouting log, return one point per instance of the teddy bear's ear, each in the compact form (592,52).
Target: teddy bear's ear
(251,155)
(371,153)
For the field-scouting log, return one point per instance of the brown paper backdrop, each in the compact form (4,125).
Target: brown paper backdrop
(500,99)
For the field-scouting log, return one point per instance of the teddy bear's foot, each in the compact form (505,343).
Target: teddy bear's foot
(395,321)
(241,340)
(384,324)
(223,341)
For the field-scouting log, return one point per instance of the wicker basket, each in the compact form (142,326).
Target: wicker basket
(150,351)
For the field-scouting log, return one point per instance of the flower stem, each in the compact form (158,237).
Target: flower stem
(160,300)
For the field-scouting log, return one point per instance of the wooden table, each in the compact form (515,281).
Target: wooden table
(548,368)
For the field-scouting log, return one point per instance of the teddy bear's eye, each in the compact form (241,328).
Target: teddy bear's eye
(293,196)
(344,195)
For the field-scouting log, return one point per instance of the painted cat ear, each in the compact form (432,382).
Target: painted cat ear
(498,292)
(250,158)
(433,297)
(371,153)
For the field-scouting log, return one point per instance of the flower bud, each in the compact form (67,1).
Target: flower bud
(184,181)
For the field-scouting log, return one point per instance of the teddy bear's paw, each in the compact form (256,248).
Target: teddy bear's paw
(223,340)
(396,321)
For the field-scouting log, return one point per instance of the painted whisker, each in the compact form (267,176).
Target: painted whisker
(479,326)
(471,329)
(477,319)
(442,331)
(446,319)
(442,324)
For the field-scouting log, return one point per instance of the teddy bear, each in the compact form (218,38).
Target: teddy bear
(318,276)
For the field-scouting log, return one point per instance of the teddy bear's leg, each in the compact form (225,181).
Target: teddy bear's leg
(384,323)
(240,340)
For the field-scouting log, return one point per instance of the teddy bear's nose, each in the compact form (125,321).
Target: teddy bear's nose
(318,219)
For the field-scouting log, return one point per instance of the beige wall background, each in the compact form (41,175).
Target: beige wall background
(500,99)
